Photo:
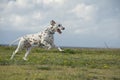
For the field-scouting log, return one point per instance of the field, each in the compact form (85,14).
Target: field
(72,64)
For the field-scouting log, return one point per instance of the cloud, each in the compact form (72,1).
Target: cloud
(86,12)
(20,15)
(53,2)
(84,20)
(18,4)
(85,31)
(37,15)
(17,20)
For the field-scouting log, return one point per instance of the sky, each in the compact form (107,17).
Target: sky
(88,23)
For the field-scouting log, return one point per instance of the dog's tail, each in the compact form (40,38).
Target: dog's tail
(14,41)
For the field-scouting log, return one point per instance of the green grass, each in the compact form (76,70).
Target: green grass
(72,64)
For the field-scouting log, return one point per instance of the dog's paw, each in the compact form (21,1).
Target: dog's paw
(61,50)
(25,59)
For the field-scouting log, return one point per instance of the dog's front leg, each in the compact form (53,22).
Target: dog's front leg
(60,49)
(54,46)
(46,44)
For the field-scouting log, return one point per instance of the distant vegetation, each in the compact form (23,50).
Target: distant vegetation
(72,64)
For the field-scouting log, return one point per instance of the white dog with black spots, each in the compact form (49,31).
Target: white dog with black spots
(44,38)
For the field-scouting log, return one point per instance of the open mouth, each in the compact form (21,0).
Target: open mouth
(59,31)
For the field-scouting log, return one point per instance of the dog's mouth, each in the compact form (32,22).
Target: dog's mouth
(59,31)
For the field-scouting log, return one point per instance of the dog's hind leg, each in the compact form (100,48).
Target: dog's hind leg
(20,44)
(27,52)
(14,53)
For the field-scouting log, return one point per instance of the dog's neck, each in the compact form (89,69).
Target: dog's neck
(49,30)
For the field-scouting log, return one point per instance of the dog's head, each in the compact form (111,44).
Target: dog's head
(57,27)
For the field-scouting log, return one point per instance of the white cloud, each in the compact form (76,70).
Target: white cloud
(49,2)
(17,19)
(81,18)
(84,11)
(37,15)
(86,30)
(3,5)
(25,22)
(12,4)
(22,3)
(78,31)
(20,15)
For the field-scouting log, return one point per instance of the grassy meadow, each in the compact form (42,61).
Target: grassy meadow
(72,64)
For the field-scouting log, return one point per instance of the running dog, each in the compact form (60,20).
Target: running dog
(44,38)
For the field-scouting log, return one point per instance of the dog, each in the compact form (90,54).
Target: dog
(44,38)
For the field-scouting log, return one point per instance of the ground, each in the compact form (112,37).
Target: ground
(72,64)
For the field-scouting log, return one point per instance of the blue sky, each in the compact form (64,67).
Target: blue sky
(88,23)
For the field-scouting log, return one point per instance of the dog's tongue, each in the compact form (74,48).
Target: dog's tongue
(59,31)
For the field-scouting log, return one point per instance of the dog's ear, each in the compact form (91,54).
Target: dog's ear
(52,22)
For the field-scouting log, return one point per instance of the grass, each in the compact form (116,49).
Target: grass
(72,64)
